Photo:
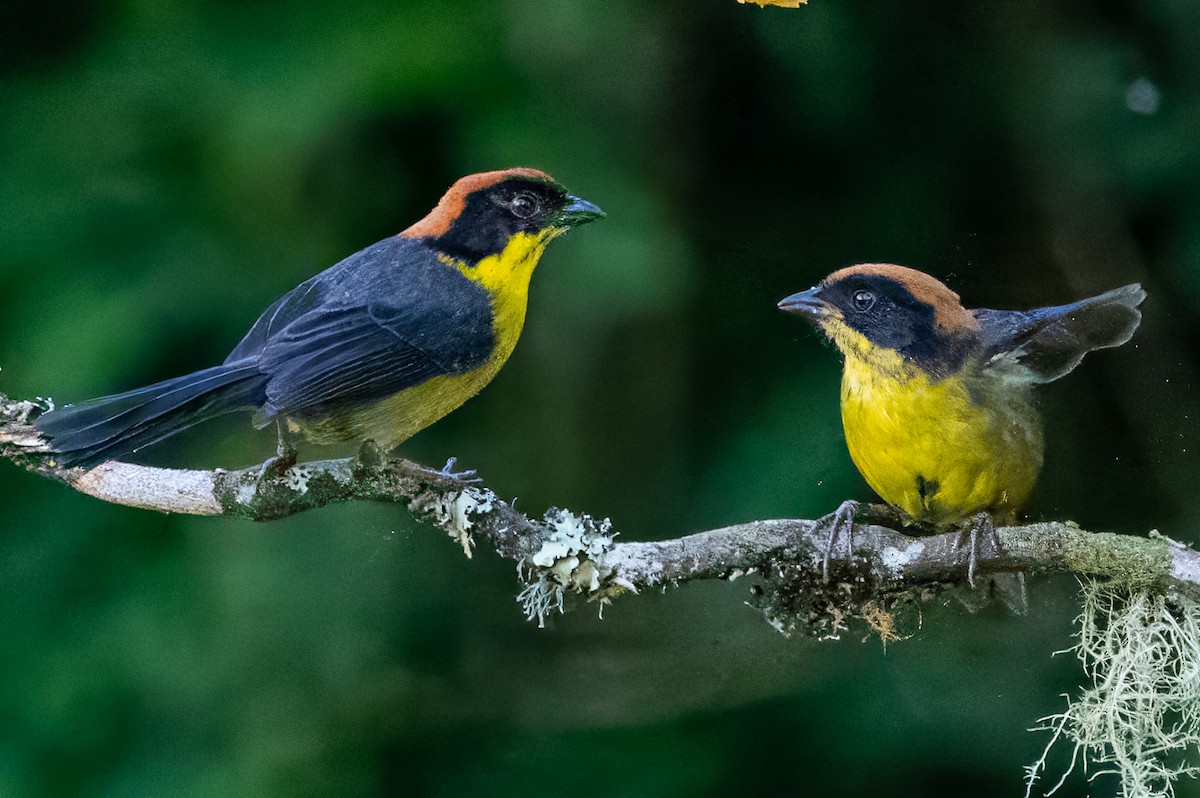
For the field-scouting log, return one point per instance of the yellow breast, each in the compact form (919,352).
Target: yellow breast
(940,450)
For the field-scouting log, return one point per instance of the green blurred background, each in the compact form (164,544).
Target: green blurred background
(168,169)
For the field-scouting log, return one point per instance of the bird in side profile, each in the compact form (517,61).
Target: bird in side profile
(374,348)
(937,400)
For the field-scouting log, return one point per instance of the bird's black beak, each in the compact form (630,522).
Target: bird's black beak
(806,303)
(576,212)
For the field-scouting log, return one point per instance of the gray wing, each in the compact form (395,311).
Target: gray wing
(1047,343)
(387,318)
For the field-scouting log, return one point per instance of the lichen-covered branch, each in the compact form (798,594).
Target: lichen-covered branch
(873,571)
(566,552)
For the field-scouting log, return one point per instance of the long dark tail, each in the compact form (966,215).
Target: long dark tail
(112,427)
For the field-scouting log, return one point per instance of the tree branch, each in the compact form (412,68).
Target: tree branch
(565,552)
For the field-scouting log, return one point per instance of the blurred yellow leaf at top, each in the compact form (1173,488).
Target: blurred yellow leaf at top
(782,3)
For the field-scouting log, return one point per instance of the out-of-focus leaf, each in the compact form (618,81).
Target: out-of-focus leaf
(780,3)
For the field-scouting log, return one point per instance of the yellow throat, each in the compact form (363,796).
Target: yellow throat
(506,277)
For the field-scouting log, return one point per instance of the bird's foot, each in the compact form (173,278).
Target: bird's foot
(971,534)
(278,464)
(284,457)
(467,477)
(841,524)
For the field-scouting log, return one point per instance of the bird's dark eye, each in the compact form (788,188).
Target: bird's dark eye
(523,205)
(863,301)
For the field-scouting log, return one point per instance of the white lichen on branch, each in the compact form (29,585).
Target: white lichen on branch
(1140,717)
(567,561)
(455,511)
(15,422)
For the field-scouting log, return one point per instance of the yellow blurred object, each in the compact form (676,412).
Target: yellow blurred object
(780,3)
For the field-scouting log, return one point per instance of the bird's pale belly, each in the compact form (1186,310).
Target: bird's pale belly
(941,451)
(394,420)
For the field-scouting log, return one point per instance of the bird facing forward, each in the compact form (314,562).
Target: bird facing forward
(376,347)
(937,400)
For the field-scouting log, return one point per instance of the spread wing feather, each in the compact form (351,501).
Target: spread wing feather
(1047,343)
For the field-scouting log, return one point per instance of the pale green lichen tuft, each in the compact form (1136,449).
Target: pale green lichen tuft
(453,512)
(540,597)
(296,478)
(566,561)
(1140,718)
(246,494)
